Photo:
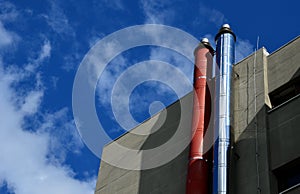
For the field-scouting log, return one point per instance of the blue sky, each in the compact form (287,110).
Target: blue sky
(42,44)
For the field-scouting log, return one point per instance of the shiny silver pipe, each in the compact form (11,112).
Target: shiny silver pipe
(225,50)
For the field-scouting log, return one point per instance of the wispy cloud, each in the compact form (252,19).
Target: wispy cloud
(24,163)
(138,75)
(58,21)
(243,49)
(243,46)
(208,14)
(71,61)
(115,4)
(8,11)
(162,13)
(64,139)
(6,38)
(157,12)
(109,77)
(174,59)
(32,102)
(27,160)
(43,54)
(163,80)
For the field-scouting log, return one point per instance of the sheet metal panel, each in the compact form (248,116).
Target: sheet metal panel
(198,180)
(225,51)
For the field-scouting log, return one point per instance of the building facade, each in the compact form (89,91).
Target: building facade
(265,133)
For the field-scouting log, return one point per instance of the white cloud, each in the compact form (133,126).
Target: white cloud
(108,78)
(123,98)
(65,138)
(6,37)
(212,15)
(243,49)
(24,160)
(44,53)
(216,17)
(243,46)
(161,12)
(71,62)
(58,21)
(28,164)
(115,4)
(8,11)
(32,102)
(174,59)
(157,12)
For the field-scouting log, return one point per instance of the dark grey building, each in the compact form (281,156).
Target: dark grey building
(265,142)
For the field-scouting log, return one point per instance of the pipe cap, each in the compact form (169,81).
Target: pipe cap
(205,42)
(226,26)
(225,29)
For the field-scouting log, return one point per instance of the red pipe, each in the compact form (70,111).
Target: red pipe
(199,169)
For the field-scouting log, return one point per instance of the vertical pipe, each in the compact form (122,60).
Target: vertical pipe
(198,170)
(225,42)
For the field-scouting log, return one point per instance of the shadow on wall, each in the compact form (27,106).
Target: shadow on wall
(286,91)
(249,166)
(170,177)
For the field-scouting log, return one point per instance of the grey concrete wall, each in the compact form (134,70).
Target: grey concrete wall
(260,139)
(284,64)
(284,132)
(261,142)
(249,167)
(168,178)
